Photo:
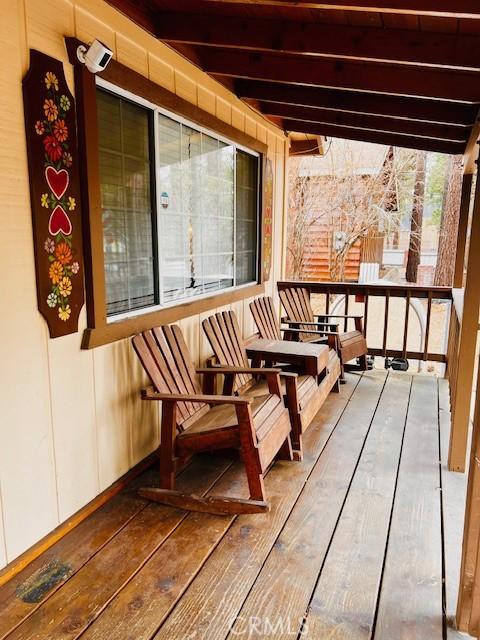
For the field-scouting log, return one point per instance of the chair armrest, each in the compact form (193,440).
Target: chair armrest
(151,394)
(226,370)
(312,331)
(307,324)
(338,315)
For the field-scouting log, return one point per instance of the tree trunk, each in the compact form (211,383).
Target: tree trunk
(447,240)
(415,244)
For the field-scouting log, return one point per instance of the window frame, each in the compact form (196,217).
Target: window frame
(99,330)
(155,110)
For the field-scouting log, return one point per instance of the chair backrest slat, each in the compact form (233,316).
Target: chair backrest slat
(263,311)
(226,340)
(296,302)
(167,361)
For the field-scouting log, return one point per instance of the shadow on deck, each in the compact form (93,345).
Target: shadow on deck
(352,547)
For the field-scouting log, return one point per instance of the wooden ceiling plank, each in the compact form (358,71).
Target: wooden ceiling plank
(345,74)
(377,137)
(453,8)
(362,102)
(342,118)
(403,45)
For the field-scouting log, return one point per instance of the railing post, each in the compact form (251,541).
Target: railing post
(466,347)
(468,605)
(462,230)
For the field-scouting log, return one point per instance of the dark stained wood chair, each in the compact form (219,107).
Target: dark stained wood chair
(193,421)
(305,326)
(304,394)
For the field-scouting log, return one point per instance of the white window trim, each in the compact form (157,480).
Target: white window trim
(123,93)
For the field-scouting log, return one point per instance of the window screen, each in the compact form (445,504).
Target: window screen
(125,178)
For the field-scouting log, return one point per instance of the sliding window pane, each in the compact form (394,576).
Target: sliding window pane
(127,208)
(246,217)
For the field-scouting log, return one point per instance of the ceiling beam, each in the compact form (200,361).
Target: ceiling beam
(307,147)
(345,74)
(366,121)
(398,45)
(362,102)
(378,137)
(449,8)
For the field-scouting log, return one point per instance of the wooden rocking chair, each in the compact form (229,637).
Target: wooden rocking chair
(305,326)
(193,422)
(304,394)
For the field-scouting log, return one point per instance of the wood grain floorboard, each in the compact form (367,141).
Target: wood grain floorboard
(216,596)
(410,604)
(345,598)
(69,609)
(21,596)
(282,592)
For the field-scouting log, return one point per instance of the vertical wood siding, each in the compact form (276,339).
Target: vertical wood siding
(71,420)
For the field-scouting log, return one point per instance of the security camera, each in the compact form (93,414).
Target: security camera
(96,57)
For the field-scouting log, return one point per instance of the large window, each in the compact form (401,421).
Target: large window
(180,208)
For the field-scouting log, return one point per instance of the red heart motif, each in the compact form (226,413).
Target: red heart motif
(57,181)
(59,221)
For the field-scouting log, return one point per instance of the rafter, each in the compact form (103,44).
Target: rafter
(378,137)
(371,76)
(361,102)
(407,46)
(449,8)
(349,119)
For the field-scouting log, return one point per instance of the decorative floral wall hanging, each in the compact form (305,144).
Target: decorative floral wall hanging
(55,193)
(267,217)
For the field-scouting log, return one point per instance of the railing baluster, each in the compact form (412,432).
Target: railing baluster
(365,314)
(345,321)
(327,303)
(385,323)
(405,326)
(427,328)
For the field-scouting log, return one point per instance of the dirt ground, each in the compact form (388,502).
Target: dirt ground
(376,313)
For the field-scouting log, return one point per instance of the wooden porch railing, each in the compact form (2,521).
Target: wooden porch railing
(386,291)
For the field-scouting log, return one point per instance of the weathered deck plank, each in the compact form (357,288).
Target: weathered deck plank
(345,598)
(70,608)
(410,605)
(216,597)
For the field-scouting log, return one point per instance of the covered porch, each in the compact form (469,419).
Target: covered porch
(375,533)
(362,540)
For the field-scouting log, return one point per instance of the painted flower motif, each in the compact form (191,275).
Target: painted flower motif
(49,245)
(50,109)
(71,203)
(55,272)
(44,200)
(64,313)
(39,127)
(67,159)
(53,148)
(60,130)
(64,102)
(75,268)
(65,287)
(51,80)
(52,300)
(63,253)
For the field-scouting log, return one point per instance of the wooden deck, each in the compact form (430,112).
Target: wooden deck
(352,547)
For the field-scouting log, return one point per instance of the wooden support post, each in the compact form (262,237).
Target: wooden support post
(468,605)
(462,230)
(466,347)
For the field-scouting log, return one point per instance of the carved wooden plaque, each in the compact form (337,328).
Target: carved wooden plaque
(55,193)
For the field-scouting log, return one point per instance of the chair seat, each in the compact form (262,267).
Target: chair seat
(223,418)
